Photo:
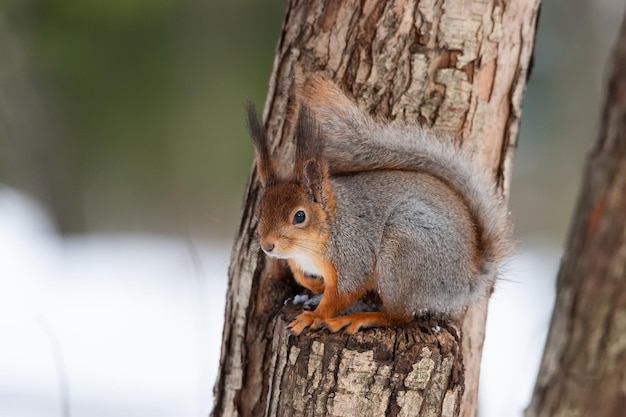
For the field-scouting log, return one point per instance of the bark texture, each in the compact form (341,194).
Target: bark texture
(583,371)
(458,67)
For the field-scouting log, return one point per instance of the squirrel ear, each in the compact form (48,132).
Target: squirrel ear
(264,166)
(309,168)
(309,143)
(313,181)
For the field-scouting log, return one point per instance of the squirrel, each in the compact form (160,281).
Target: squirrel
(379,207)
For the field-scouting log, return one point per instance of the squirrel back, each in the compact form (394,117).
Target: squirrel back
(355,142)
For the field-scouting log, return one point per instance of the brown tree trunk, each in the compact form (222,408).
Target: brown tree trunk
(583,371)
(458,67)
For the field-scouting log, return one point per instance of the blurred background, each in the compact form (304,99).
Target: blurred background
(123,161)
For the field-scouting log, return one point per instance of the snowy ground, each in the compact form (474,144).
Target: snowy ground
(127,325)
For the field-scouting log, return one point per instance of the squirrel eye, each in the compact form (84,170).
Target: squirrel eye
(299,217)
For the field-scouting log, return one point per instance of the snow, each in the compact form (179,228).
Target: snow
(517,326)
(137,320)
(130,325)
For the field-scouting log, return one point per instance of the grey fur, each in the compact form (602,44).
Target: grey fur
(426,209)
(405,235)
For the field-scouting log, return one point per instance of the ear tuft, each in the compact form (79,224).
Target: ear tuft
(257,133)
(313,181)
(310,168)
(264,166)
(309,144)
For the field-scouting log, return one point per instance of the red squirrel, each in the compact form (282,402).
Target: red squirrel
(374,206)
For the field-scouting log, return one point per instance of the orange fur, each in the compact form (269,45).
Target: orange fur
(320,90)
(331,304)
(353,322)
(314,284)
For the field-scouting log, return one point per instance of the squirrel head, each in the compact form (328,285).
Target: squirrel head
(292,212)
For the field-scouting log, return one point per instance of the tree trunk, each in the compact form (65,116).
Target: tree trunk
(583,371)
(458,67)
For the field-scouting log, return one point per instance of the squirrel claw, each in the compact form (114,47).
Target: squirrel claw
(304,320)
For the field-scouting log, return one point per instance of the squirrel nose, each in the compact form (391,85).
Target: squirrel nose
(267,247)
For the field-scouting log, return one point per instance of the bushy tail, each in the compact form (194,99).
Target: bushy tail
(355,142)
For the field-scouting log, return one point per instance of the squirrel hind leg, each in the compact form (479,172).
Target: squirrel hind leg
(423,270)
(354,322)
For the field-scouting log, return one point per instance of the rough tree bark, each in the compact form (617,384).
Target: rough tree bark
(583,371)
(458,67)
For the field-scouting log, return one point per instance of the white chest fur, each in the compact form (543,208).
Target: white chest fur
(306,264)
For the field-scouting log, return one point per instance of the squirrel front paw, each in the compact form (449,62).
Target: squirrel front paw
(306,319)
